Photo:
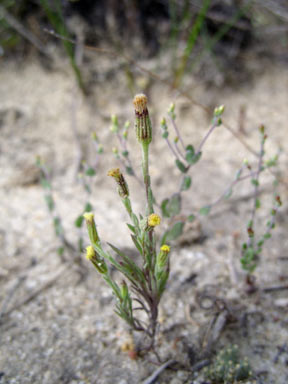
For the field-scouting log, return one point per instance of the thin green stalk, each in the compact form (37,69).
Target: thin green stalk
(146,176)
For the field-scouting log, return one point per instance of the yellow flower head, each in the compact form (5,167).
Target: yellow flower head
(165,248)
(90,252)
(88,216)
(114,172)
(154,220)
(140,103)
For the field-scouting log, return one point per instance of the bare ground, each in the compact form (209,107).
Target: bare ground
(57,328)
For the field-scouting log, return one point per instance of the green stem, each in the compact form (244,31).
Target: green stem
(146,176)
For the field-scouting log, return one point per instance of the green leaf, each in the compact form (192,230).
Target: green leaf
(125,153)
(161,282)
(191,218)
(260,243)
(50,202)
(257,204)
(88,207)
(196,158)
(186,184)
(45,184)
(164,211)
(267,235)
(137,245)
(57,226)
(60,251)
(132,228)
(181,166)
(255,182)
(90,172)
(204,211)
(165,135)
(190,153)
(79,221)
(130,171)
(135,220)
(87,188)
(173,233)
(80,244)
(173,207)
(130,267)
(190,148)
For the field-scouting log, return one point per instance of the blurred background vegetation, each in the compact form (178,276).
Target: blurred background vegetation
(194,32)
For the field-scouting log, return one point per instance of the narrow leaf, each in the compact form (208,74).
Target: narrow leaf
(50,202)
(164,211)
(137,245)
(132,228)
(173,233)
(173,206)
(186,183)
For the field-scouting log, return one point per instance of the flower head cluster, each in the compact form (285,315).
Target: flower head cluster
(153,220)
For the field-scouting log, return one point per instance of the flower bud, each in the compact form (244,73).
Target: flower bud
(122,185)
(142,123)
(92,231)
(163,124)
(124,290)
(162,256)
(218,111)
(171,111)
(114,126)
(96,260)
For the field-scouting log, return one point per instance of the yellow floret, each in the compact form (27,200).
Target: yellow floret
(90,252)
(154,220)
(88,216)
(114,172)
(165,248)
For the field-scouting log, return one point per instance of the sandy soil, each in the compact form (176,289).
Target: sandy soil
(58,328)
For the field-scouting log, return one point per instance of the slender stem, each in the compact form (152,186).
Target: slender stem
(256,188)
(179,152)
(172,149)
(214,125)
(146,176)
(177,132)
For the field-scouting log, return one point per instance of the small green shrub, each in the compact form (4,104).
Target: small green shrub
(148,280)
(228,367)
